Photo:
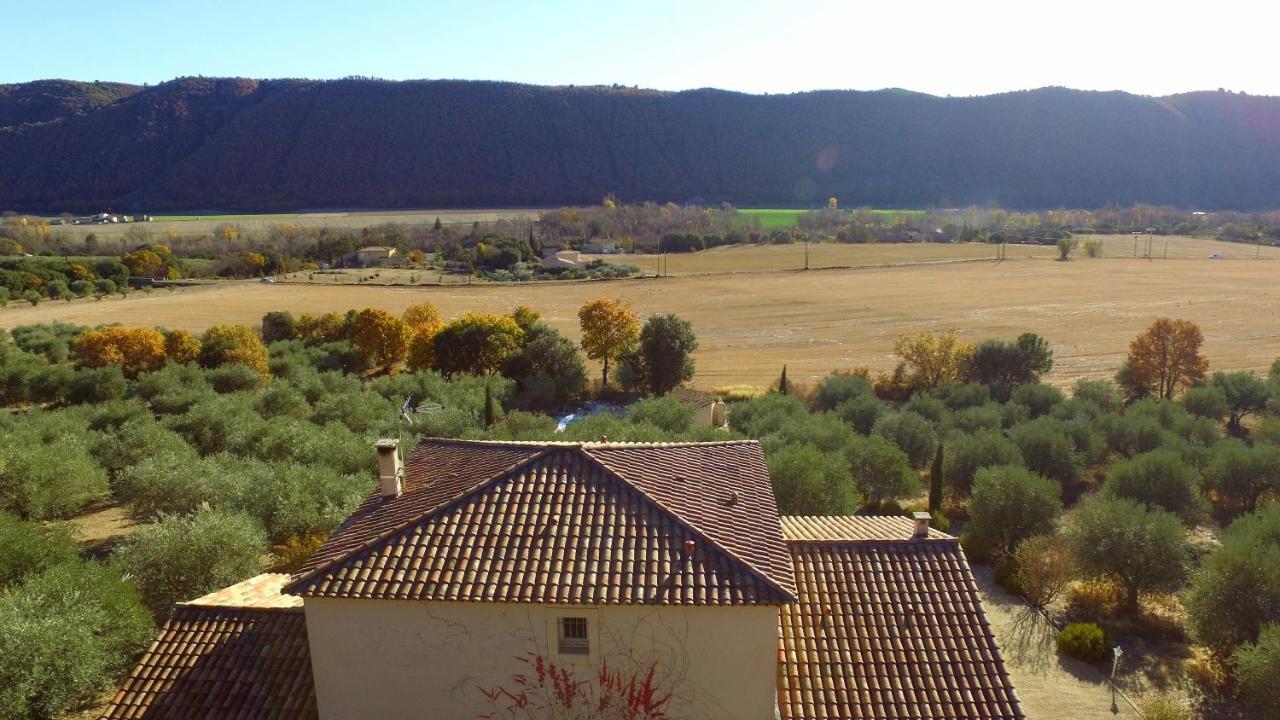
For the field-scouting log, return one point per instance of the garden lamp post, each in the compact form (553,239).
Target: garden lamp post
(1116,652)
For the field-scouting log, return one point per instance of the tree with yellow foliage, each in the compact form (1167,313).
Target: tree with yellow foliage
(934,359)
(135,350)
(609,328)
(224,344)
(181,346)
(143,263)
(424,321)
(382,339)
(1166,357)
(330,327)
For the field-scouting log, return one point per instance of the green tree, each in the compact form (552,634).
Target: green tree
(182,557)
(476,344)
(1245,393)
(1009,505)
(47,481)
(862,412)
(969,452)
(1239,474)
(808,481)
(1159,479)
(664,356)
(1037,399)
(935,481)
(1142,550)
(65,636)
(1258,673)
(838,388)
(1237,590)
(28,548)
(1206,401)
(1048,449)
(782,381)
(672,415)
(880,470)
(1003,365)
(278,325)
(547,368)
(911,433)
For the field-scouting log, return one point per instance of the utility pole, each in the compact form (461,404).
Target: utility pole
(806,252)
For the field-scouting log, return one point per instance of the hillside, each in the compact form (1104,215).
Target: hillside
(46,100)
(286,144)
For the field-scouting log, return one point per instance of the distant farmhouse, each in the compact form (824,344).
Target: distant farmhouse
(562,259)
(372,256)
(539,580)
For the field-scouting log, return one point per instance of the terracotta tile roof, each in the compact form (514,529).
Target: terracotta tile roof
(839,528)
(261,591)
(223,662)
(565,523)
(886,628)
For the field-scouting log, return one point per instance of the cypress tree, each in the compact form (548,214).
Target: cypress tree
(782,382)
(935,481)
(490,413)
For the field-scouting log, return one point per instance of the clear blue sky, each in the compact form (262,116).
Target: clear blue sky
(956,48)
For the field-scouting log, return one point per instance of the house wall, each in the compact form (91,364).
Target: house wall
(393,659)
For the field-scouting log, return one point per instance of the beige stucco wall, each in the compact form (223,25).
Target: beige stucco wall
(392,659)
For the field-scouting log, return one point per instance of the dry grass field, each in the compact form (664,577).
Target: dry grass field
(750,323)
(839,255)
(185,224)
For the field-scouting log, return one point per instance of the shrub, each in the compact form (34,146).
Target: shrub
(807,481)
(1158,479)
(1258,673)
(182,557)
(123,447)
(28,548)
(926,405)
(1005,574)
(668,413)
(1164,706)
(1011,504)
(1045,569)
(976,419)
(968,452)
(912,434)
(1084,641)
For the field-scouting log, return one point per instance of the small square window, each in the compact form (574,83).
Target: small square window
(573,636)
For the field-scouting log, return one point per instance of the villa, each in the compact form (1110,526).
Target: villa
(533,580)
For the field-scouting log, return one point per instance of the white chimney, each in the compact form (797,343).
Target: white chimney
(389,469)
(922,525)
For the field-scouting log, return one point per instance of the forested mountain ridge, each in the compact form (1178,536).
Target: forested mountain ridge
(287,144)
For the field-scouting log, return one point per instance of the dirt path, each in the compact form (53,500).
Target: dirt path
(1050,687)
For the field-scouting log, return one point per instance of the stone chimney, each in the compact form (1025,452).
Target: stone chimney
(390,471)
(922,525)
